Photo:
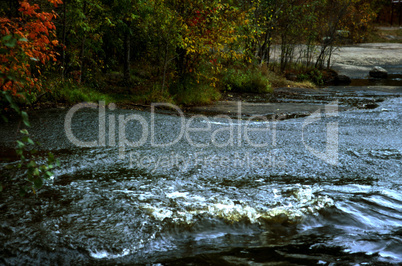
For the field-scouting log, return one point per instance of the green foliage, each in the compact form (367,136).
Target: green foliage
(14,74)
(7,101)
(35,174)
(153,95)
(199,94)
(28,167)
(69,92)
(248,80)
(178,43)
(314,75)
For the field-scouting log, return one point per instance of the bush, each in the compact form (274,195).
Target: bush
(249,80)
(70,92)
(197,94)
(313,75)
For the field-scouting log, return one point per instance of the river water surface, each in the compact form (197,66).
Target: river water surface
(213,196)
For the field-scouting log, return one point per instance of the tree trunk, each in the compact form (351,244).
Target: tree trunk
(63,52)
(165,64)
(262,49)
(82,55)
(268,49)
(180,62)
(126,71)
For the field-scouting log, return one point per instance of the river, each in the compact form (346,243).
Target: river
(324,189)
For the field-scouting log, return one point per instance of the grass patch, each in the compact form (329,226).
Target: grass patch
(150,94)
(146,91)
(246,80)
(196,94)
(69,92)
(278,80)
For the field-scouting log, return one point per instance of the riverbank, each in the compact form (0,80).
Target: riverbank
(356,61)
(353,61)
(286,103)
(283,102)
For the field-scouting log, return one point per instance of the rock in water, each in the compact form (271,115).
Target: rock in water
(378,72)
(342,80)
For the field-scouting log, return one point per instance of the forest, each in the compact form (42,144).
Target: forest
(179,51)
(202,132)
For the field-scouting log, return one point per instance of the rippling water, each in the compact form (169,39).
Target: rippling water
(236,204)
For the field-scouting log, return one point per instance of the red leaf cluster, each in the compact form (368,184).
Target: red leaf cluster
(35,35)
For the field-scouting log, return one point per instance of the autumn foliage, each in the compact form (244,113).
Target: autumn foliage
(26,43)
(212,34)
(170,46)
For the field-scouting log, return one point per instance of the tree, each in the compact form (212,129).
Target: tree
(25,39)
(124,15)
(81,34)
(209,33)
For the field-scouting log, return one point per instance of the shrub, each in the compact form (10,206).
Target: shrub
(198,94)
(313,75)
(70,92)
(249,80)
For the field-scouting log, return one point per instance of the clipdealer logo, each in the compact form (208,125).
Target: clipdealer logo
(238,131)
(330,155)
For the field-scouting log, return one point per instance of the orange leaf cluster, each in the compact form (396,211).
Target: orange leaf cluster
(35,35)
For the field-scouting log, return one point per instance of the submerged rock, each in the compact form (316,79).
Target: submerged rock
(378,72)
